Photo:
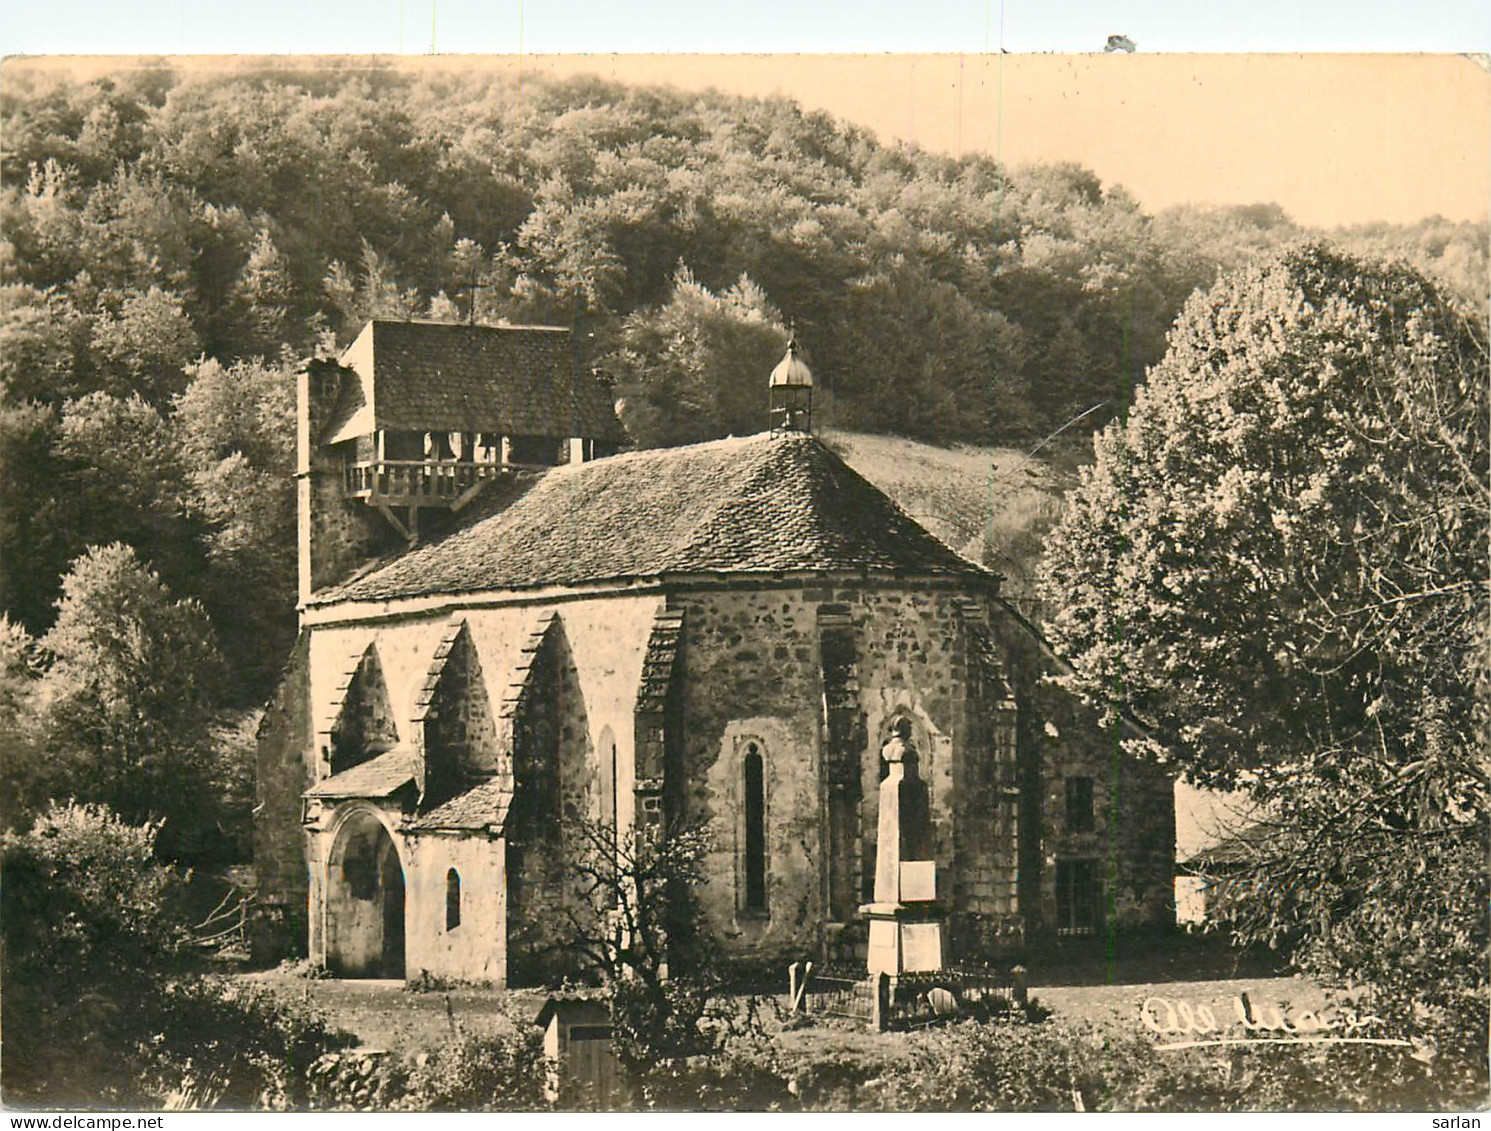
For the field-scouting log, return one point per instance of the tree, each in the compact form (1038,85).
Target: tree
(130,695)
(119,480)
(34,549)
(696,367)
(86,905)
(97,1010)
(638,925)
(1278,565)
(146,345)
(23,776)
(43,346)
(265,295)
(233,432)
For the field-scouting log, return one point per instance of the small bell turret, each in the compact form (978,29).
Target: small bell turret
(791,393)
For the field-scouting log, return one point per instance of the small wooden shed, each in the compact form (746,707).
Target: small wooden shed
(577,1041)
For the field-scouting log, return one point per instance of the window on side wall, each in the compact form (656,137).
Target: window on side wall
(1077,896)
(1079,814)
(452,899)
(754,809)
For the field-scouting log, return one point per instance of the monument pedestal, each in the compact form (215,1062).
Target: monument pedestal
(906,931)
(904,938)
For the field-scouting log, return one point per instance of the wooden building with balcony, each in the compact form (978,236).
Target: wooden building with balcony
(416,420)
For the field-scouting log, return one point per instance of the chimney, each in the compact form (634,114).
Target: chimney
(333,532)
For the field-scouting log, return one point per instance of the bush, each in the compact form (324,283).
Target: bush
(87,927)
(745,1076)
(1017,1065)
(1063,1067)
(359,1081)
(503,1071)
(93,1012)
(204,1044)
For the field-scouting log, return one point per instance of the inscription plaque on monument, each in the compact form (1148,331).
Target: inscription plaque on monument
(884,946)
(921,946)
(918,880)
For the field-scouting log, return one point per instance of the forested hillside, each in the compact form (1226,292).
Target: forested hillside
(173,241)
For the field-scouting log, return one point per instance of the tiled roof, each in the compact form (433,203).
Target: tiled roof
(442,377)
(377,777)
(755,504)
(484,806)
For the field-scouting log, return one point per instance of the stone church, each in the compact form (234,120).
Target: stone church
(512,632)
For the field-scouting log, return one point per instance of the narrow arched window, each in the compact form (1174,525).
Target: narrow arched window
(755,829)
(607,757)
(452,900)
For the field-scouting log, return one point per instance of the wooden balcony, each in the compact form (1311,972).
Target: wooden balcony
(422,483)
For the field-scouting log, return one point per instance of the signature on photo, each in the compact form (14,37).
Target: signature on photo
(1196,1025)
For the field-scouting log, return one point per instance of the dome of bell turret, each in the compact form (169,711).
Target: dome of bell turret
(791,370)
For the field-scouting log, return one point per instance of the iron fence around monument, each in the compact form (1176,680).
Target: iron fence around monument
(915,998)
(839,993)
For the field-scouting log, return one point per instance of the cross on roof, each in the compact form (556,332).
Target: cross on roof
(473,285)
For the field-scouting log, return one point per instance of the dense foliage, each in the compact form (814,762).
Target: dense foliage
(1277,565)
(96,1009)
(117,705)
(1050,1066)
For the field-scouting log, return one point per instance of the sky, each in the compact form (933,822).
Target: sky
(812,26)
(1335,139)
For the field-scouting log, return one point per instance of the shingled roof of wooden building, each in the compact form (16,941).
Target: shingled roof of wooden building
(443,377)
(755,504)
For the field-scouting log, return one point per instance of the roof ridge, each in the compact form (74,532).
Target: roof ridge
(468,325)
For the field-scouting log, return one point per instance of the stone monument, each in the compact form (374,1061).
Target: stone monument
(906,920)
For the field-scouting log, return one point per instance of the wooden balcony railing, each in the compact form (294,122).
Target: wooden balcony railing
(421,481)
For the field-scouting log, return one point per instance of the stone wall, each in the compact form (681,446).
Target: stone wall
(751,662)
(283,771)
(1131,841)
(557,784)
(334,533)
(589,681)
(912,666)
(755,674)
(995,750)
(460,730)
(476,949)
(987,922)
(364,726)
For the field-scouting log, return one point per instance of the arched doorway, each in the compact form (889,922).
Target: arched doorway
(364,902)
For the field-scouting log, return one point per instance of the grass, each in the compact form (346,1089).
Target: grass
(385,1016)
(993,505)
(1076,986)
